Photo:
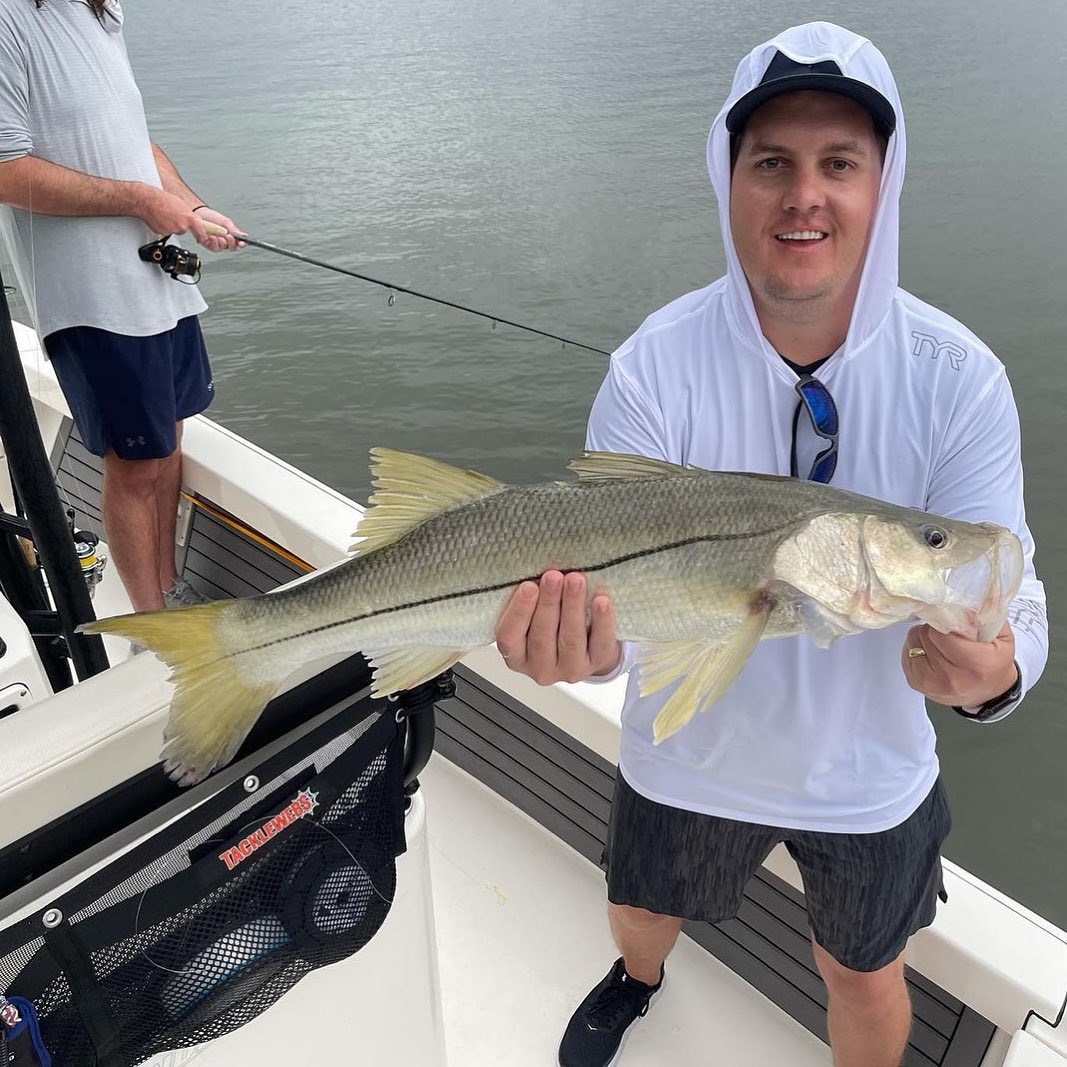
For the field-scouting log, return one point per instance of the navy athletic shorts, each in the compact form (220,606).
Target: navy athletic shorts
(866,894)
(127,394)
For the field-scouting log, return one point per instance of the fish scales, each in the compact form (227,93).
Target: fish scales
(447,580)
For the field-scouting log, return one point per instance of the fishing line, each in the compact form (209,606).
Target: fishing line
(394,288)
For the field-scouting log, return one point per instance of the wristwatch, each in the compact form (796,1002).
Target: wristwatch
(991,707)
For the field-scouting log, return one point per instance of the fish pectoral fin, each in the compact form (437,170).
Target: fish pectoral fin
(606,466)
(410,489)
(396,669)
(706,673)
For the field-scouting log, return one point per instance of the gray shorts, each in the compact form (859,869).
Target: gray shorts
(866,894)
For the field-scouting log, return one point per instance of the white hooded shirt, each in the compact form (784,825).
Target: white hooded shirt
(818,739)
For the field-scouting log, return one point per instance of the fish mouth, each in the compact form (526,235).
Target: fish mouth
(979,592)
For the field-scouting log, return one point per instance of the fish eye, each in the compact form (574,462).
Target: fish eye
(934,536)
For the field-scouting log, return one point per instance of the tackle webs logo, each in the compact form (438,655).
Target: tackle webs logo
(304,804)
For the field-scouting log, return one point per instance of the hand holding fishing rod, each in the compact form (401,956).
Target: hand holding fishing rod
(166,214)
(215,231)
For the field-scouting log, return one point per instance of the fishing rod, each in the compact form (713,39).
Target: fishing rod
(220,231)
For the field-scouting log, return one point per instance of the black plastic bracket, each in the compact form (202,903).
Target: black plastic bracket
(415,707)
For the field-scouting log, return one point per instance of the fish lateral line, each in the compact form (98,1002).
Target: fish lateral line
(511,583)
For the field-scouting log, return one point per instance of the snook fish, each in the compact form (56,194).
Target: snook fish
(700,565)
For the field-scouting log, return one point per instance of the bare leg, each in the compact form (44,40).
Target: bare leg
(644,938)
(168,493)
(869,1013)
(131,525)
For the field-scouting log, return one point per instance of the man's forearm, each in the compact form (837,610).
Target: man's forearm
(171,179)
(49,189)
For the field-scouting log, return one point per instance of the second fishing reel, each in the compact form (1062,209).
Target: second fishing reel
(174,260)
(90,558)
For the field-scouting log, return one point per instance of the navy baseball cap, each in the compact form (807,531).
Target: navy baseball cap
(785,75)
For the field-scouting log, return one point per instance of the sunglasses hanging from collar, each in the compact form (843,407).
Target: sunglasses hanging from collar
(816,400)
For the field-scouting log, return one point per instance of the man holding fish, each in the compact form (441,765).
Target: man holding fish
(805,358)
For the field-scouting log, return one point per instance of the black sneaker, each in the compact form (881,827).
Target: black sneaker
(595,1034)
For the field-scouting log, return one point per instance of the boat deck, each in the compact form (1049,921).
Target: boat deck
(523,936)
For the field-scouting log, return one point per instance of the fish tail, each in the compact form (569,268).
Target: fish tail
(213,707)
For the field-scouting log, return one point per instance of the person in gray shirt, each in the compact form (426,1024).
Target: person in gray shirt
(82,187)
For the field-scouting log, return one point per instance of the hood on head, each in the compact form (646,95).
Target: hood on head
(858,59)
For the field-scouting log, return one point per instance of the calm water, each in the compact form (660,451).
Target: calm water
(546,162)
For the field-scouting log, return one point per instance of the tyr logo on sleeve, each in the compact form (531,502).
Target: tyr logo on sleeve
(304,804)
(926,344)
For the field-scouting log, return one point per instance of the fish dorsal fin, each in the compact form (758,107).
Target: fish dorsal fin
(410,489)
(604,466)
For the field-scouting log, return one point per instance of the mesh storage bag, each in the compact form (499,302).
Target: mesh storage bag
(199,929)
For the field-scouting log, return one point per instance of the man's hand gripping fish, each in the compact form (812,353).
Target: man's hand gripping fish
(701,566)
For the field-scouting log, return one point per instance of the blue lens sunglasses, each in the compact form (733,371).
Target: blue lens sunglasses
(816,400)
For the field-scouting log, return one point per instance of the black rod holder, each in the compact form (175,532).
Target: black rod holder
(416,707)
(31,475)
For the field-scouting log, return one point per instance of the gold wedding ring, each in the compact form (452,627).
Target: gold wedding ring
(914,653)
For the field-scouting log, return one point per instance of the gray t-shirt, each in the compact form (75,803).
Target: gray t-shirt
(67,95)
